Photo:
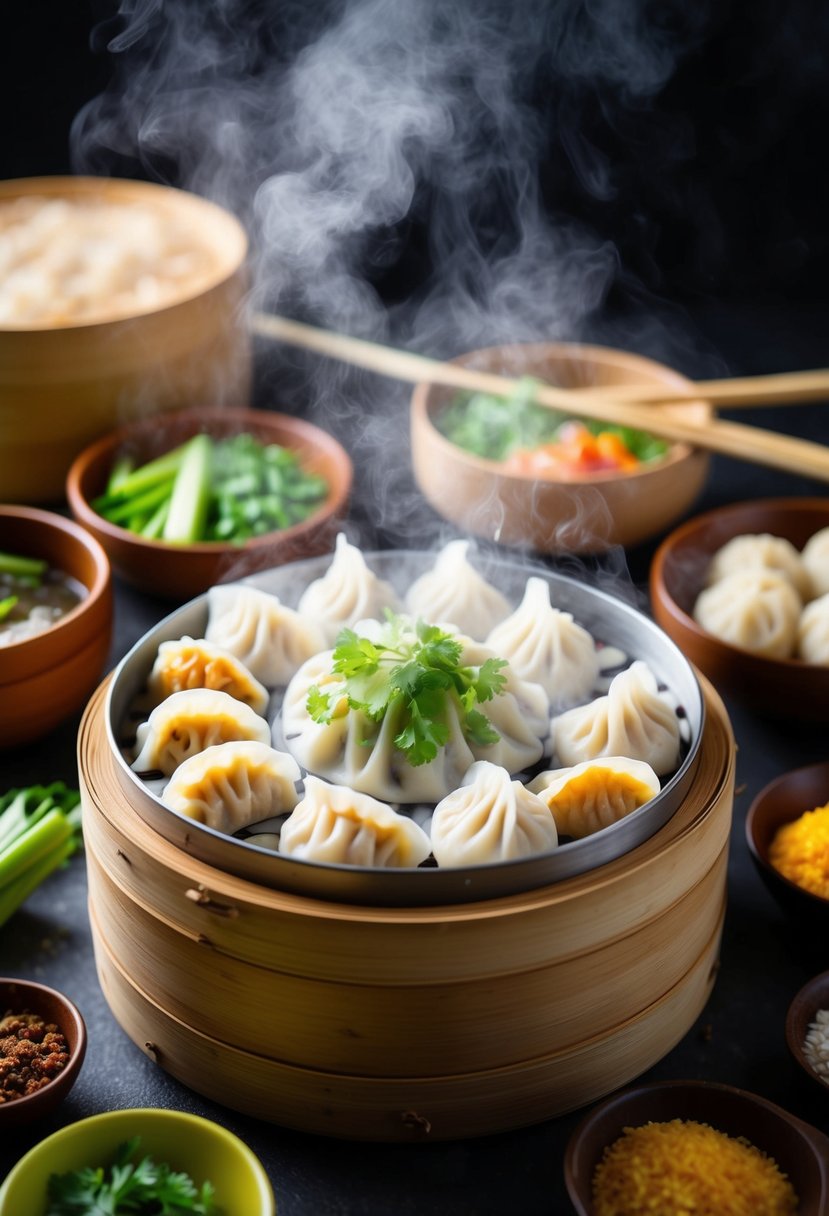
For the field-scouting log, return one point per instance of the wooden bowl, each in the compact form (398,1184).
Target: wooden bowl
(801,1151)
(587,515)
(198,1147)
(787,688)
(61,386)
(782,801)
(802,1012)
(24,996)
(46,678)
(182,571)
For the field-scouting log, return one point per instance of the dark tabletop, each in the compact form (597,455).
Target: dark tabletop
(739,1037)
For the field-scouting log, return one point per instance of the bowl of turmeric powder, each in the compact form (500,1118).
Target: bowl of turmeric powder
(787,832)
(695,1146)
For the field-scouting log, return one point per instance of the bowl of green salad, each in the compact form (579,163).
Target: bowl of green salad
(524,475)
(203,496)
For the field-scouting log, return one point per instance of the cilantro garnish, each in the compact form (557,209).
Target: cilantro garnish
(145,1188)
(414,673)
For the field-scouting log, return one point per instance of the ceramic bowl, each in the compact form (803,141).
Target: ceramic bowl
(23,996)
(63,384)
(801,1151)
(782,801)
(182,571)
(803,1011)
(188,1143)
(587,515)
(46,678)
(787,688)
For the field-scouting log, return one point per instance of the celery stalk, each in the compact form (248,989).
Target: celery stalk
(22,812)
(191,493)
(154,526)
(32,845)
(119,473)
(16,892)
(146,501)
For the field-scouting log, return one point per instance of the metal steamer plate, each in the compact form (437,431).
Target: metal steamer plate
(608,619)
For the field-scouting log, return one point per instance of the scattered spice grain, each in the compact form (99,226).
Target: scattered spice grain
(32,1053)
(800,851)
(688,1168)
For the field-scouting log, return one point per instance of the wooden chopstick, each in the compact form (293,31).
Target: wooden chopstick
(715,435)
(783,388)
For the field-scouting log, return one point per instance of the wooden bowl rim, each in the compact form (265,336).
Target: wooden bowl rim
(322,441)
(64,185)
(660,592)
(24,653)
(423,404)
(814,995)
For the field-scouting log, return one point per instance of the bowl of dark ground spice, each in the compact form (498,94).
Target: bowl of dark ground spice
(42,1046)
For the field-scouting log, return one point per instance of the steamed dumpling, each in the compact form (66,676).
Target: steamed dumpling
(754,609)
(339,826)
(455,593)
(633,719)
(813,632)
(231,785)
(190,721)
(358,752)
(490,818)
(761,552)
(271,640)
(548,647)
(191,663)
(596,793)
(815,558)
(347,592)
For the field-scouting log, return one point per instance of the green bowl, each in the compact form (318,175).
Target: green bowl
(199,1147)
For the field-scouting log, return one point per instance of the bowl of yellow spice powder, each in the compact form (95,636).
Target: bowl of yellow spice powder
(787,831)
(695,1146)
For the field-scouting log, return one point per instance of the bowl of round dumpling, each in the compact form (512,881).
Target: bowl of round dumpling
(744,591)
(406,728)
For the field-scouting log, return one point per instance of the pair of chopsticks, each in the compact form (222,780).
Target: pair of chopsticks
(627,405)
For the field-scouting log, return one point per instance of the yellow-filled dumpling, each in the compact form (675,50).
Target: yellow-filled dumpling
(196,663)
(593,795)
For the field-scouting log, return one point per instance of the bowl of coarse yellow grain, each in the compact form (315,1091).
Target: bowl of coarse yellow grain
(695,1146)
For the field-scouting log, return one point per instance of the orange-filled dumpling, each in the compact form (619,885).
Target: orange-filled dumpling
(196,663)
(593,795)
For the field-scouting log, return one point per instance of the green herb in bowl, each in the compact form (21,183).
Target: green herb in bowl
(141,1187)
(222,490)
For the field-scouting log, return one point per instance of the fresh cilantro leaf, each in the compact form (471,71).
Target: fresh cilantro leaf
(148,1188)
(414,671)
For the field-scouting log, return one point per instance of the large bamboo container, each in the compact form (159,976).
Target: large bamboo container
(63,385)
(387,1023)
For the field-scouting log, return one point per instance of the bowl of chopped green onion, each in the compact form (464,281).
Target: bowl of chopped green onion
(146,1160)
(517,472)
(200,497)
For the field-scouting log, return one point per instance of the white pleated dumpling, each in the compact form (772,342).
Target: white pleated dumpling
(453,592)
(815,557)
(761,551)
(520,714)
(633,719)
(546,646)
(232,785)
(593,795)
(270,639)
(490,818)
(755,609)
(187,722)
(340,826)
(196,663)
(347,592)
(813,632)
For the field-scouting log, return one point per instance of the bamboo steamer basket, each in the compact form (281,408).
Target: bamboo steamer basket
(392,1023)
(61,386)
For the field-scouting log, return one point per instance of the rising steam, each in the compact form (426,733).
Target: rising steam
(369,141)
